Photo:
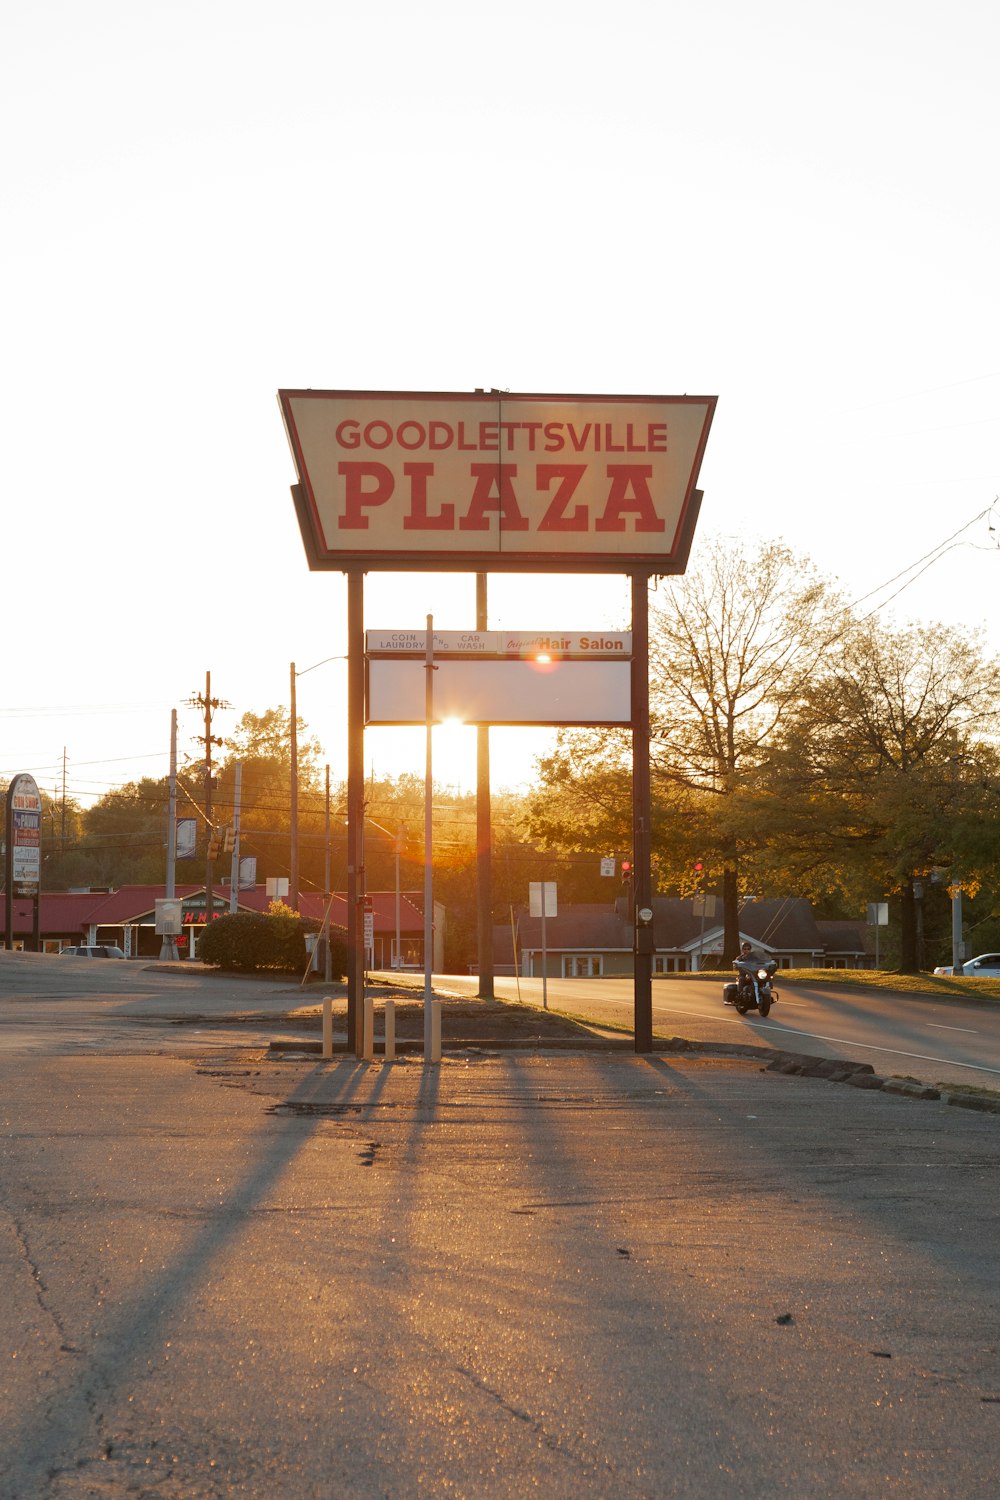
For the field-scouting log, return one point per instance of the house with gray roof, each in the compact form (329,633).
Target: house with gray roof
(588,940)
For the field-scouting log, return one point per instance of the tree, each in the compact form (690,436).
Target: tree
(734,643)
(885,772)
(124,834)
(262,745)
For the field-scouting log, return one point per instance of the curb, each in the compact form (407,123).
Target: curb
(791,1064)
(863,1076)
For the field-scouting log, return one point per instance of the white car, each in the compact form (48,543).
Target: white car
(987,965)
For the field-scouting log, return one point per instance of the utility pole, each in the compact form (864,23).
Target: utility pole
(208,705)
(328,959)
(168,945)
(234,877)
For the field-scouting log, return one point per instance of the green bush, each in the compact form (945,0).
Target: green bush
(248,941)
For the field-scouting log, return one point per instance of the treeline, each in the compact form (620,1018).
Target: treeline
(799,747)
(803,747)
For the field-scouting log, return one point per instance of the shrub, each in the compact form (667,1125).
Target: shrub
(248,941)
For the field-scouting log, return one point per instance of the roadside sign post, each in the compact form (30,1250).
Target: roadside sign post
(543,901)
(494,481)
(23,832)
(878,916)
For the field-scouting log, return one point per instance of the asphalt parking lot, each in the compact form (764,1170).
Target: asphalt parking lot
(232,1271)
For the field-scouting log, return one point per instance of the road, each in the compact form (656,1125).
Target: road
(64,1004)
(233,1275)
(57,1003)
(936,1041)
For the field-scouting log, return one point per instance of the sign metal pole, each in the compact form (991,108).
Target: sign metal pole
(432,1025)
(641,814)
(355,808)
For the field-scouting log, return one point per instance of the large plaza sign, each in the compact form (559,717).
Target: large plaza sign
(492,482)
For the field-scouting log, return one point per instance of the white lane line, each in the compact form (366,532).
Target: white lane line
(966,1029)
(839,1041)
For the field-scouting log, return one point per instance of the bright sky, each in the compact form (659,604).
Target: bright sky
(794,207)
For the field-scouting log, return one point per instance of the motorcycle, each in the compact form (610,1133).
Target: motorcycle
(753,990)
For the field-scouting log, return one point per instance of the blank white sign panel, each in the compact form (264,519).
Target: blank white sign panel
(501,692)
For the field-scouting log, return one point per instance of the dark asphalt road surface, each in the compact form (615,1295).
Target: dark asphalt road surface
(231,1273)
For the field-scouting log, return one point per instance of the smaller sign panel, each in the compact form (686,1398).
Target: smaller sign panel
(588,645)
(542,898)
(169,916)
(521,691)
(608,865)
(187,837)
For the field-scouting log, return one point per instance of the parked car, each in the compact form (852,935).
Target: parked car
(987,966)
(98,950)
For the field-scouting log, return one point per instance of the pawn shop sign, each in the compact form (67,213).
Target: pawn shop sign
(493,482)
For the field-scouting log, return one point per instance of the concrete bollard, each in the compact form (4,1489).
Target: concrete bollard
(432,1031)
(390,1031)
(328,1027)
(368,1028)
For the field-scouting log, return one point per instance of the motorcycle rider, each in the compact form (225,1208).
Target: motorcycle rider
(747,956)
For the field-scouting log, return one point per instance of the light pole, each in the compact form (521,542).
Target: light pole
(293,735)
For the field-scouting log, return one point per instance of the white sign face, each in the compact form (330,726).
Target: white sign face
(169,916)
(607,865)
(187,837)
(500,643)
(478,691)
(492,481)
(542,900)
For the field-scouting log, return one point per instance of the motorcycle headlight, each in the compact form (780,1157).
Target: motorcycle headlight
(761,973)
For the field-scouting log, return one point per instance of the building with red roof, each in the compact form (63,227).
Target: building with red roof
(127,916)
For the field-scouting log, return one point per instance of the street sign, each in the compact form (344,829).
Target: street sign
(542,900)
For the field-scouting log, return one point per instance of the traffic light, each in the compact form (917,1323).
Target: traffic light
(626,869)
(214,844)
(229,841)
